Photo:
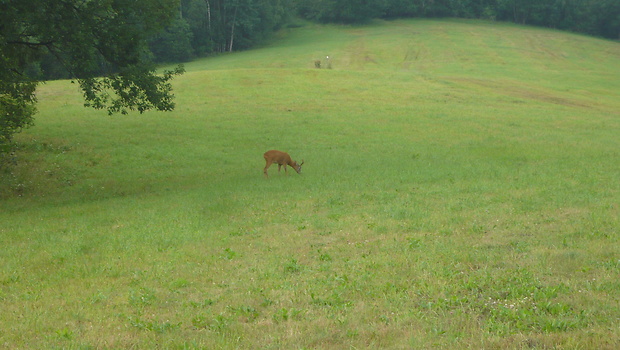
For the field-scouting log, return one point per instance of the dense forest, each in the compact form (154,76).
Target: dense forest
(594,17)
(204,27)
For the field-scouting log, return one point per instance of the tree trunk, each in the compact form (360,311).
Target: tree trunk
(232,30)
(208,15)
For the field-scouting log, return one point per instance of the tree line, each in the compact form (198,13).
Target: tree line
(204,27)
(594,17)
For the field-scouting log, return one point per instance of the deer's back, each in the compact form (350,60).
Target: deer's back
(277,156)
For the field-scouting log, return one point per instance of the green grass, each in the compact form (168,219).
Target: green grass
(460,190)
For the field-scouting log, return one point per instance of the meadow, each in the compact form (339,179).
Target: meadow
(461,189)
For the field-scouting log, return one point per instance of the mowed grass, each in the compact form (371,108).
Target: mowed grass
(460,190)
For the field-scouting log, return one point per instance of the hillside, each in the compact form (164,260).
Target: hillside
(444,50)
(460,190)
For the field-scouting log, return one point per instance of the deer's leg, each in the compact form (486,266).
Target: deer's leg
(279,167)
(266,167)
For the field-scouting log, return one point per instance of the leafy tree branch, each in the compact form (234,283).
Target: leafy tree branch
(101,43)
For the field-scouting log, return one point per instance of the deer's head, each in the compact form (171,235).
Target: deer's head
(298,167)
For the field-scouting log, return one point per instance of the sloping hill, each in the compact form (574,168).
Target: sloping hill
(476,50)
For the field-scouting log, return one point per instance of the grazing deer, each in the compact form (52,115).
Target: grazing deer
(280,158)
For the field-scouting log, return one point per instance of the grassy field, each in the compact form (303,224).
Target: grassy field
(461,189)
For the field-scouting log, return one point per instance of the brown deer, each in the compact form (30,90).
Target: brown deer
(280,158)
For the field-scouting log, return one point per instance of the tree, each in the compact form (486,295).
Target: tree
(173,44)
(101,43)
(607,18)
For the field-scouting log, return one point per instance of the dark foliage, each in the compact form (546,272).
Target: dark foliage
(595,17)
(99,43)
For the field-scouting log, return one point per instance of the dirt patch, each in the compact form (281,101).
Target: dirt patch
(522,92)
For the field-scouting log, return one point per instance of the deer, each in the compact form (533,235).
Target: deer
(282,159)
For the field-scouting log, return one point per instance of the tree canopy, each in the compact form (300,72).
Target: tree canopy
(100,43)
